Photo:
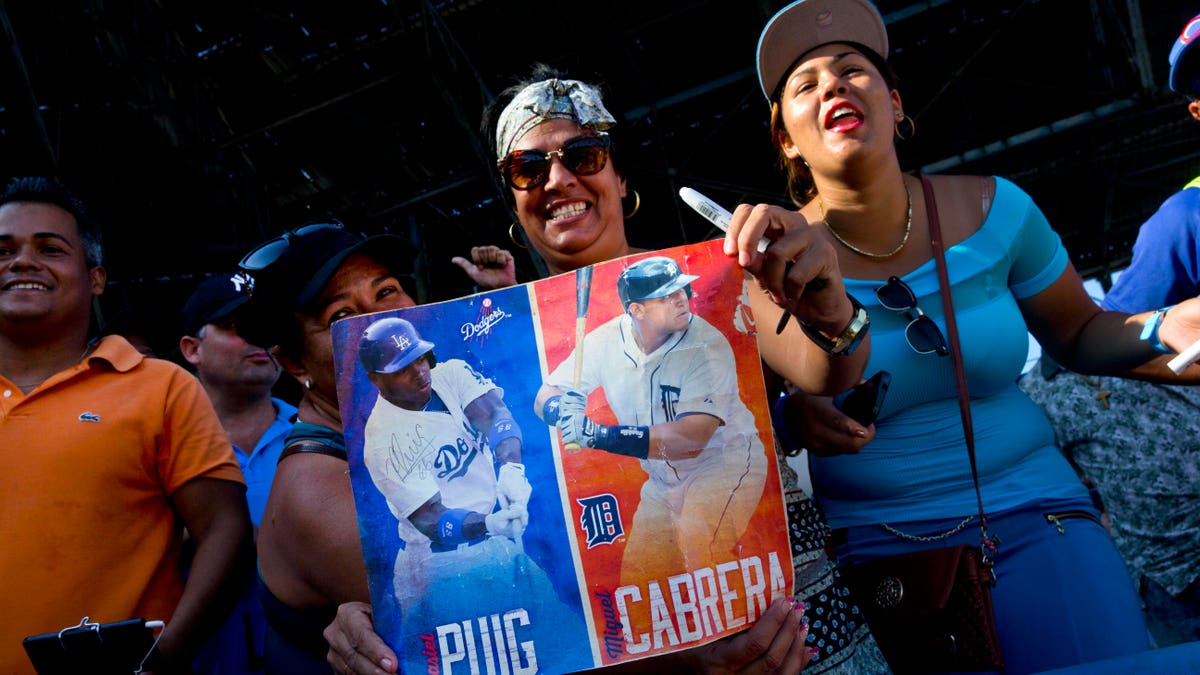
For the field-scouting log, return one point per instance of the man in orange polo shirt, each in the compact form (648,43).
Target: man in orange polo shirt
(102,453)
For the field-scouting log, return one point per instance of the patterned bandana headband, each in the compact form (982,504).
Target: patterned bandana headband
(549,100)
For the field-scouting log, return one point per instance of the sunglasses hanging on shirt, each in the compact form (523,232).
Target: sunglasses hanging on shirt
(921,333)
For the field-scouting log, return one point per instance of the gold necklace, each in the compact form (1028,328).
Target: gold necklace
(34,385)
(852,247)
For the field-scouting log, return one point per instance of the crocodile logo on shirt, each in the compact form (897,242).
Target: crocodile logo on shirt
(88,417)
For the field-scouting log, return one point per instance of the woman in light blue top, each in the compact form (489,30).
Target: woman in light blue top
(904,484)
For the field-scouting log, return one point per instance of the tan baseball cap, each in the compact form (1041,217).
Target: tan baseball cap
(805,25)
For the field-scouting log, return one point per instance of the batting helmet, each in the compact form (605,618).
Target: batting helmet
(652,278)
(389,345)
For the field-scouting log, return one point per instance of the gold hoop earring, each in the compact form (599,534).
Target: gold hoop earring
(637,204)
(513,236)
(906,128)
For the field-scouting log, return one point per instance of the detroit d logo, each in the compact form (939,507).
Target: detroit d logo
(601,519)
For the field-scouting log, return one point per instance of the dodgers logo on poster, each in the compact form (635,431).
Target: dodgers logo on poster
(518,514)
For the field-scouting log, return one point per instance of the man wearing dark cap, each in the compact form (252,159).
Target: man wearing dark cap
(104,454)
(238,377)
(1166,256)
(1139,442)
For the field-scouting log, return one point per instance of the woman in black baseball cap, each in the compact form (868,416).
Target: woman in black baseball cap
(310,558)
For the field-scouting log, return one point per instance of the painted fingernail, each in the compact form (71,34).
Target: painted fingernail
(803,624)
(801,606)
(813,651)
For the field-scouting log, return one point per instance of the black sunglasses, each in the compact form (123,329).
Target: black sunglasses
(922,333)
(584,155)
(265,254)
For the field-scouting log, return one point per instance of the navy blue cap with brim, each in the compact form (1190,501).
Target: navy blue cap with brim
(293,282)
(215,299)
(1185,60)
(296,279)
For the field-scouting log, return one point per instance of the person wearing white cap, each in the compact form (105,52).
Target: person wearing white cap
(904,484)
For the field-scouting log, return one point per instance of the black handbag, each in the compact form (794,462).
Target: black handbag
(931,611)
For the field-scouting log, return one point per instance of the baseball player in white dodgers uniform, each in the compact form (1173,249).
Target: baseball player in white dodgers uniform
(671,380)
(432,444)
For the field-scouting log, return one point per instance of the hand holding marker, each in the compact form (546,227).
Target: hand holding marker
(718,216)
(1185,358)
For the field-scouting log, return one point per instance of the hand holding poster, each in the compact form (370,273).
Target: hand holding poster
(488,548)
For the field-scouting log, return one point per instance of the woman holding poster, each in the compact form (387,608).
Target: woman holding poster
(555,155)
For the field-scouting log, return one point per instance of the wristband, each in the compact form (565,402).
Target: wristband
(450,527)
(1150,331)
(779,420)
(624,440)
(502,430)
(851,336)
(550,409)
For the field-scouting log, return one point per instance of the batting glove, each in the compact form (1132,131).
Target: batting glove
(577,428)
(621,440)
(506,522)
(572,403)
(512,488)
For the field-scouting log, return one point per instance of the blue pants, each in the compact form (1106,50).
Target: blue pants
(1063,595)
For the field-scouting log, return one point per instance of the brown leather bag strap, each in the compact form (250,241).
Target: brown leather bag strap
(960,375)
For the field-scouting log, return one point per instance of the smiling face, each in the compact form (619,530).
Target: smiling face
(571,220)
(410,388)
(360,285)
(836,108)
(44,276)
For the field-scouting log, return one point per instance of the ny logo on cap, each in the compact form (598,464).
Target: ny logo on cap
(242,282)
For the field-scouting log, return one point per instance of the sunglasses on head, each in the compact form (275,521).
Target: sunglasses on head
(265,254)
(584,155)
(922,333)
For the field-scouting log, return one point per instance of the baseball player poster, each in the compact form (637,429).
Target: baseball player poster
(565,474)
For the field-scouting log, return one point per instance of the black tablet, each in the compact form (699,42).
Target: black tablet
(104,649)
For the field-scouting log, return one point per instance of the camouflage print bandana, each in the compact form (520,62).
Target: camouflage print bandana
(549,100)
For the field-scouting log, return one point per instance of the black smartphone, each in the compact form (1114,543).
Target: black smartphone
(862,402)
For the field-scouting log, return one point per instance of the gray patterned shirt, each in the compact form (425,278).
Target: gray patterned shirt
(1142,451)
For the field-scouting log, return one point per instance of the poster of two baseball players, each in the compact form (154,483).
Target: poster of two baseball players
(596,541)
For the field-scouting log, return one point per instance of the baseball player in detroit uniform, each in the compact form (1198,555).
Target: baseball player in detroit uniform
(671,380)
(432,445)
